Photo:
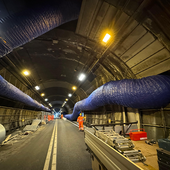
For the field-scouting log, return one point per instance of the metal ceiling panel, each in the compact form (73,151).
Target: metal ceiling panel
(135,35)
(99,19)
(138,46)
(163,19)
(87,15)
(152,61)
(120,22)
(152,49)
(157,69)
(106,22)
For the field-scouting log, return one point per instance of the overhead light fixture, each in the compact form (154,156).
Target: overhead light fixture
(50,104)
(69,95)
(46,99)
(106,38)
(82,77)
(26,72)
(37,87)
(74,87)
(66,99)
(42,94)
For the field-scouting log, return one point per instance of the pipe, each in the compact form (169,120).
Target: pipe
(10,91)
(146,93)
(113,124)
(2,133)
(22,27)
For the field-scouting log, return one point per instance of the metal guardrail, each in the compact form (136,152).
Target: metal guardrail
(113,124)
(109,157)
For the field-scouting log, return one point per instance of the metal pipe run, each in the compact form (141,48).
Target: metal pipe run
(113,124)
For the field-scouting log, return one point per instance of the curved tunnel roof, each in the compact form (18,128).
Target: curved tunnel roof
(139,46)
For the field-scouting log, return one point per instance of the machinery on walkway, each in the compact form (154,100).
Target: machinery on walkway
(121,144)
(110,151)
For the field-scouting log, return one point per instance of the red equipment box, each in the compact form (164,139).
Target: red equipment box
(139,135)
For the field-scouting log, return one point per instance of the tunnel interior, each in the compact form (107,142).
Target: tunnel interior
(56,44)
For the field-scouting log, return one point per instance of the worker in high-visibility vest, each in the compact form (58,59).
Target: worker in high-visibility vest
(80,120)
(61,116)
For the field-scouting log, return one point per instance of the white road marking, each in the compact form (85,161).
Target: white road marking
(73,123)
(54,155)
(54,159)
(47,161)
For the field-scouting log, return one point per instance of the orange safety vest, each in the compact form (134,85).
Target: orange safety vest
(80,119)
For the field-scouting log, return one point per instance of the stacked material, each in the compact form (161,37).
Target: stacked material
(33,126)
(121,144)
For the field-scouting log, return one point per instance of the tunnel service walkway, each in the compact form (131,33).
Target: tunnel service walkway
(59,146)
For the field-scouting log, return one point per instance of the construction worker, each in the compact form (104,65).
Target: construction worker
(61,116)
(80,120)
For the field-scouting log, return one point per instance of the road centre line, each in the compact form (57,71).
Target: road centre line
(54,158)
(48,157)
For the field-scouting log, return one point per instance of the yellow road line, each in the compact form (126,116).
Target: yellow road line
(54,159)
(48,157)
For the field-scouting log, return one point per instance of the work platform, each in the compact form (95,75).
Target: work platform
(68,152)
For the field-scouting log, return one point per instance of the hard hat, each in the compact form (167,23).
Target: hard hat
(80,114)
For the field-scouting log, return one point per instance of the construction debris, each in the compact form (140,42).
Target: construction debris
(150,142)
(43,122)
(18,135)
(33,126)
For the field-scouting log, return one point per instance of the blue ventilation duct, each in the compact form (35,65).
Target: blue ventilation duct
(22,27)
(146,93)
(10,91)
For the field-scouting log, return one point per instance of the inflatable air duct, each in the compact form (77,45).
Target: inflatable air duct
(10,91)
(35,20)
(146,93)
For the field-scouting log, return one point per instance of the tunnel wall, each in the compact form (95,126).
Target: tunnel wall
(149,92)
(13,118)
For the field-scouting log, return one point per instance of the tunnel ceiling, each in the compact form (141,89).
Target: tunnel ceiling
(139,47)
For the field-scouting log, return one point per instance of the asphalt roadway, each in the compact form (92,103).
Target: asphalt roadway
(58,146)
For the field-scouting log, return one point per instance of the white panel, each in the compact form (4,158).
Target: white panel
(160,68)
(121,21)
(99,19)
(148,51)
(88,12)
(106,21)
(130,40)
(138,46)
(153,60)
